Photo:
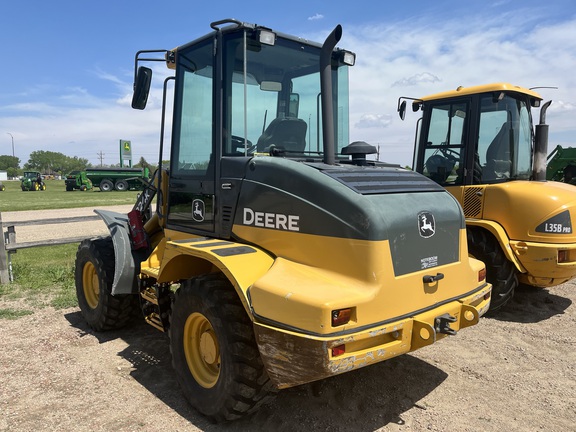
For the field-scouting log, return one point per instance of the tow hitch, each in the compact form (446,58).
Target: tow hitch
(442,324)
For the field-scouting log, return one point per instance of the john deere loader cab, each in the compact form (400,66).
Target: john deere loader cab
(279,253)
(271,106)
(480,144)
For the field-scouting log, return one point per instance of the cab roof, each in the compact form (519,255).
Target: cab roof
(486,88)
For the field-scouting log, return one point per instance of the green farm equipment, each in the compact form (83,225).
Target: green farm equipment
(78,180)
(32,181)
(562,165)
(108,179)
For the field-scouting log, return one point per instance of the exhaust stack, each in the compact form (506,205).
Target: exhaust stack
(541,146)
(326,97)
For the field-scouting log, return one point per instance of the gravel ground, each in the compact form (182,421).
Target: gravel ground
(27,233)
(512,372)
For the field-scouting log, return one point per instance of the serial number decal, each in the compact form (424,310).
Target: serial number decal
(559,224)
(429,262)
(277,221)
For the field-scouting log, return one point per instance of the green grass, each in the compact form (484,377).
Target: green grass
(43,276)
(14,313)
(56,197)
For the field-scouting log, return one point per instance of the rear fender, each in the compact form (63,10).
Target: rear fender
(126,267)
(500,234)
(242,264)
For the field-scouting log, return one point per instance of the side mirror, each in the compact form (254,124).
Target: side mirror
(141,87)
(294,105)
(402,110)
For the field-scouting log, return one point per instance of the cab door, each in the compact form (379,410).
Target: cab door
(443,153)
(193,164)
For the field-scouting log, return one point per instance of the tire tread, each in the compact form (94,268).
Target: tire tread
(113,312)
(251,387)
(500,272)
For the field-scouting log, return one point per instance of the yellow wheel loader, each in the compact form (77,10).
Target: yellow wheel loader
(278,254)
(480,144)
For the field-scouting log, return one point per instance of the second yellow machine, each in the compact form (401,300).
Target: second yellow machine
(480,144)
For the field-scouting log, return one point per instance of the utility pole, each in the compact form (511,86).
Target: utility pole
(100,155)
(12,143)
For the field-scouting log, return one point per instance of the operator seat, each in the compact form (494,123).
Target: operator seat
(498,159)
(288,133)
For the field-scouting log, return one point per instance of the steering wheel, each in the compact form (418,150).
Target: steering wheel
(439,167)
(450,154)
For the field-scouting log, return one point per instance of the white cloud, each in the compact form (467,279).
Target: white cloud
(315,17)
(75,122)
(109,77)
(416,79)
(563,106)
(84,131)
(373,121)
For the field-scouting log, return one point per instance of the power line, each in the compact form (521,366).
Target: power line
(100,155)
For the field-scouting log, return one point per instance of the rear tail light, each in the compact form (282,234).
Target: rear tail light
(482,275)
(338,350)
(341,316)
(563,256)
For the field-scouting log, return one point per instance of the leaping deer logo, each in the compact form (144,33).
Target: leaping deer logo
(426,224)
(198,210)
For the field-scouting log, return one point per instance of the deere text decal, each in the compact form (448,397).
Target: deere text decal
(277,221)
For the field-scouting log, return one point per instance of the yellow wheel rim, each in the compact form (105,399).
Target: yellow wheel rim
(90,285)
(201,350)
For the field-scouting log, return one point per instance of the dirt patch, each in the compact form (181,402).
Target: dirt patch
(514,372)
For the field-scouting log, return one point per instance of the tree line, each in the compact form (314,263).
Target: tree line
(53,163)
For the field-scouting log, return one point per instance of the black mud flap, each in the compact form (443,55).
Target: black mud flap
(125,269)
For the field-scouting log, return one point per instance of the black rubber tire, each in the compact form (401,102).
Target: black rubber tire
(94,275)
(106,185)
(121,185)
(500,272)
(237,383)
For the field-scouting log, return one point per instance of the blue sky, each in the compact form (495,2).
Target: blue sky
(66,70)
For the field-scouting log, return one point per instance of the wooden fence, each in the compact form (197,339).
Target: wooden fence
(9,243)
